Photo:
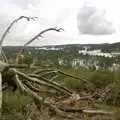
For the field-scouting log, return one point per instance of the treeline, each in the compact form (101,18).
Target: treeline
(68,57)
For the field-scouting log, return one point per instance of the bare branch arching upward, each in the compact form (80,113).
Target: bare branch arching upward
(11,25)
(39,35)
(42,32)
(7,31)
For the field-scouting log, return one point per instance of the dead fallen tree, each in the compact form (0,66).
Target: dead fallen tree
(33,84)
(29,85)
(44,82)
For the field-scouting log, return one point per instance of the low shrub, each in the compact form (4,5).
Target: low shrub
(113,97)
(14,105)
(102,78)
(73,84)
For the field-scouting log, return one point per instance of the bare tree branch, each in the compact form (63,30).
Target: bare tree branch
(7,31)
(35,89)
(42,32)
(38,71)
(65,74)
(37,36)
(11,25)
(24,89)
(45,71)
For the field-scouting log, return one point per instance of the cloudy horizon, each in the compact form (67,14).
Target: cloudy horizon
(84,21)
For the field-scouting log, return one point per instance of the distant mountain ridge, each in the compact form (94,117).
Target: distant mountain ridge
(105,47)
(89,56)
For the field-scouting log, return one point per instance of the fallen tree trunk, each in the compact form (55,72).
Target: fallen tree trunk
(35,80)
(85,111)
(81,79)
(51,82)
(25,89)
(42,71)
(100,112)
(35,89)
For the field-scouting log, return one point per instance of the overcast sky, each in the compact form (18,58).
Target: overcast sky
(84,21)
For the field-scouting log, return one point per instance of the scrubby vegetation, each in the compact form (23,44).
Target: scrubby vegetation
(102,78)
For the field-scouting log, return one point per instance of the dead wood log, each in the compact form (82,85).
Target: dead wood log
(71,110)
(84,111)
(4,65)
(51,82)
(42,71)
(53,78)
(19,84)
(35,80)
(18,66)
(23,88)
(100,112)
(47,73)
(61,113)
(32,112)
(7,76)
(35,89)
(81,79)
(60,72)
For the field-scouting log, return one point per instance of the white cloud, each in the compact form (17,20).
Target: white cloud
(92,21)
(54,13)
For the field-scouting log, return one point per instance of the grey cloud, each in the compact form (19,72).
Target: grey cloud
(92,21)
